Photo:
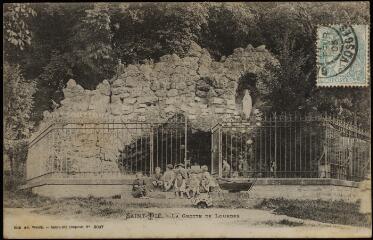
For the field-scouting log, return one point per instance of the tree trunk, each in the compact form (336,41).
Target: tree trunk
(11,164)
(11,161)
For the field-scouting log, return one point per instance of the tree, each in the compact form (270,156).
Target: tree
(91,53)
(18,103)
(16,28)
(71,41)
(17,91)
(229,26)
(50,82)
(289,86)
(154,29)
(289,31)
(83,41)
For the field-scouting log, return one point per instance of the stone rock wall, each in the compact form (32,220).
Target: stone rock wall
(196,85)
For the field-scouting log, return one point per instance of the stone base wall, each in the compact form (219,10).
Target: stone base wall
(295,189)
(298,192)
(307,189)
(65,191)
(310,192)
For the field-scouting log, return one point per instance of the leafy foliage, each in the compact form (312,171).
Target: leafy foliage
(229,26)
(95,59)
(51,81)
(289,85)
(16,28)
(18,96)
(18,102)
(84,41)
(154,29)
(290,32)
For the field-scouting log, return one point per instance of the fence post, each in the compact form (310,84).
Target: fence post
(212,151)
(275,168)
(326,148)
(220,152)
(151,149)
(185,139)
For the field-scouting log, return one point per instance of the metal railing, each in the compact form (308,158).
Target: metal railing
(106,150)
(278,146)
(291,146)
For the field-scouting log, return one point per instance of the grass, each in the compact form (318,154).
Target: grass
(108,207)
(232,200)
(336,212)
(24,199)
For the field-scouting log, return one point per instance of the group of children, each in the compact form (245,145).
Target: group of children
(184,182)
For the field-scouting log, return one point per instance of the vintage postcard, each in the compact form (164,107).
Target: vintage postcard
(186,120)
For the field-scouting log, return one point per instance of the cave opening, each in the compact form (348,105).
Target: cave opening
(173,142)
(167,149)
(199,147)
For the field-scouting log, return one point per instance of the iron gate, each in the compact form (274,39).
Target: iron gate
(290,146)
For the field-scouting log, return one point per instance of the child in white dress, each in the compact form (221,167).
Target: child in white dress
(179,186)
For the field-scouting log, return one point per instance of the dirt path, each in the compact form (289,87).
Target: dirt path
(173,222)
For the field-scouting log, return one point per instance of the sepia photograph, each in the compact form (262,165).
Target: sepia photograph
(186,120)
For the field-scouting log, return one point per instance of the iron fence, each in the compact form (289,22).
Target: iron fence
(81,150)
(285,146)
(290,146)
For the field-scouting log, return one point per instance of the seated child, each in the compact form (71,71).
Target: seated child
(139,186)
(179,186)
(204,168)
(199,174)
(180,169)
(213,185)
(193,188)
(187,186)
(157,182)
(202,171)
(204,186)
(187,164)
(168,178)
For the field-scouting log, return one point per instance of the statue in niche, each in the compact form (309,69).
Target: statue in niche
(247,104)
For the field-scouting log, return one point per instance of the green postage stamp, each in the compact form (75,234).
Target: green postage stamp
(343,56)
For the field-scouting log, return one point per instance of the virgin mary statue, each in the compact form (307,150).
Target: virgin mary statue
(247,104)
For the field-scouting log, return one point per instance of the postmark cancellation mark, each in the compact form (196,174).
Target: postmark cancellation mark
(343,56)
